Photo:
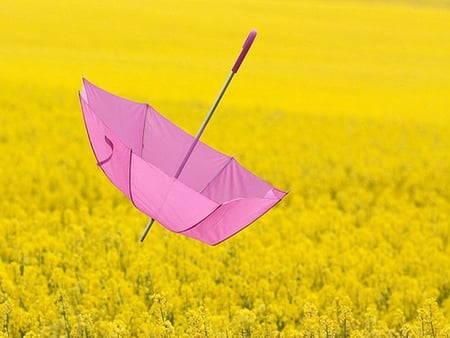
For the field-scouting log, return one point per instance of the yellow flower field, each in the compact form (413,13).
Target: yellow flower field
(345,104)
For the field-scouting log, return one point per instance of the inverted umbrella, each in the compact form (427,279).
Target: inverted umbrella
(187,186)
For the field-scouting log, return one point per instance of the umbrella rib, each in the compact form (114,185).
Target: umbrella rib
(143,130)
(217,175)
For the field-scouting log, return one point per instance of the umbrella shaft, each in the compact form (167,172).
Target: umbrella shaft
(214,105)
(203,126)
(194,143)
(147,228)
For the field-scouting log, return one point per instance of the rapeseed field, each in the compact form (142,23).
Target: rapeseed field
(345,104)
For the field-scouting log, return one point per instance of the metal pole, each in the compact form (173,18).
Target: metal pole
(147,229)
(248,42)
(193,144)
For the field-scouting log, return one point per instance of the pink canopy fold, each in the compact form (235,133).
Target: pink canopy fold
(140,151)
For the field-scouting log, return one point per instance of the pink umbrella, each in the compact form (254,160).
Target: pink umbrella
(172,177)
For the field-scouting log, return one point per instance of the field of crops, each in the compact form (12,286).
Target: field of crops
(345,104)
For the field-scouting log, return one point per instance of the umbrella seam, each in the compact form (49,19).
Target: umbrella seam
(165,199)
(129,179)
(202,220)
(215,176)
(147,106)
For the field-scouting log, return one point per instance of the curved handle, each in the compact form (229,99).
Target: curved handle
(111,145)
(247,44)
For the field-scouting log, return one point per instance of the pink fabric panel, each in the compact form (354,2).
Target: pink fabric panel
(111,150)
(234,181)
(229,219)
(165,146)
(166,199)
(124,117)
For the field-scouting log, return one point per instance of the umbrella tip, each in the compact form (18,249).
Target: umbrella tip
(147,229)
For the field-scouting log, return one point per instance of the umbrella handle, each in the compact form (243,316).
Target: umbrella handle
(247,44)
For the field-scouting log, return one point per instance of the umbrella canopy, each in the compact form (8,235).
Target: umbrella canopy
(140,151)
